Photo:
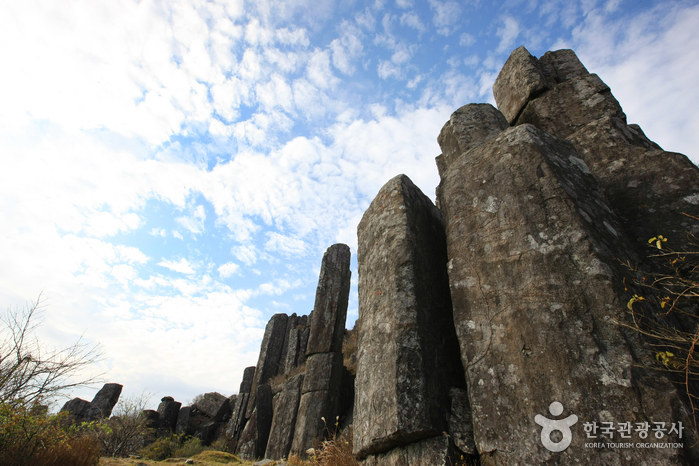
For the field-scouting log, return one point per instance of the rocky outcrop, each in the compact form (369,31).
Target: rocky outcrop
(104,401)
(168,410)
(100,407)
(648,188)
(491,327)
(407,347)
(286,405)
(270,354)
(253,440)
(534,271)
(320,399)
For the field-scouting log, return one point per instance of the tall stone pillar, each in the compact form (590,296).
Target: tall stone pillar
(407,348)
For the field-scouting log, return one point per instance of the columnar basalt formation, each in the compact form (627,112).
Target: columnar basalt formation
(534,270)
(407,348)
(648,188)
(270,355)
(485,318)
(285,405)
(320,399)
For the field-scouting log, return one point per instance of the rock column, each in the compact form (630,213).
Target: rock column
(319,403)
(536,282)
(407,348)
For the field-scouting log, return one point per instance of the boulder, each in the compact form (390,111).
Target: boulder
(77,409)
(104,401)
(469,126)
(536,281)
(284,419)
(215,406)
(270,354)
(519,81)
(407,350)
(168,410)
(183,426)
(330,310)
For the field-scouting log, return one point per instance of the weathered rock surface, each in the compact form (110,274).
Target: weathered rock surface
(77,409)
(648,188)
(270,354)
(460,422)
(407,347)
(522,80)
(329,314)
(253,440)
(534,253)
(435,451)
(284,419)
(168,409)
(104,401)
(469,126)
(237,421)
(183,426)
(215,406)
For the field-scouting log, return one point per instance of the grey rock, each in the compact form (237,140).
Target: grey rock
(460,423)
(323,372)
(561,65)
(436,451)
(468,127)
(270,354)
(152,418)
(315,419)
(168,409)
(284,419)
(649,189)
(246,383)
(104,401)
(183,425)
(253,440)
(519,81)
(77,409)
(215,406)
(535,276)
(327,321)
(407,350)
(290,325)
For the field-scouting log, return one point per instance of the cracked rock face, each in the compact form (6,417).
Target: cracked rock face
(534,274)
(648,188)
(407,351)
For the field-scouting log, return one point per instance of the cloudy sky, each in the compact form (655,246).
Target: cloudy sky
(172,171)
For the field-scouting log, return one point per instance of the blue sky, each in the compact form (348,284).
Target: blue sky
(172,171)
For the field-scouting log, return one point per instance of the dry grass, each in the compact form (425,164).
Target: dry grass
(281,378)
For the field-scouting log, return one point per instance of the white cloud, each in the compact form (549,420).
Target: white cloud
(412,20)
(508,33)
(245,254)
(319,71)
(181,266)
(194,223)
(158,232)
(177,234)
(651,63)
(466,39)
(446,16)
(347,48)
(286,245)
(228,269)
